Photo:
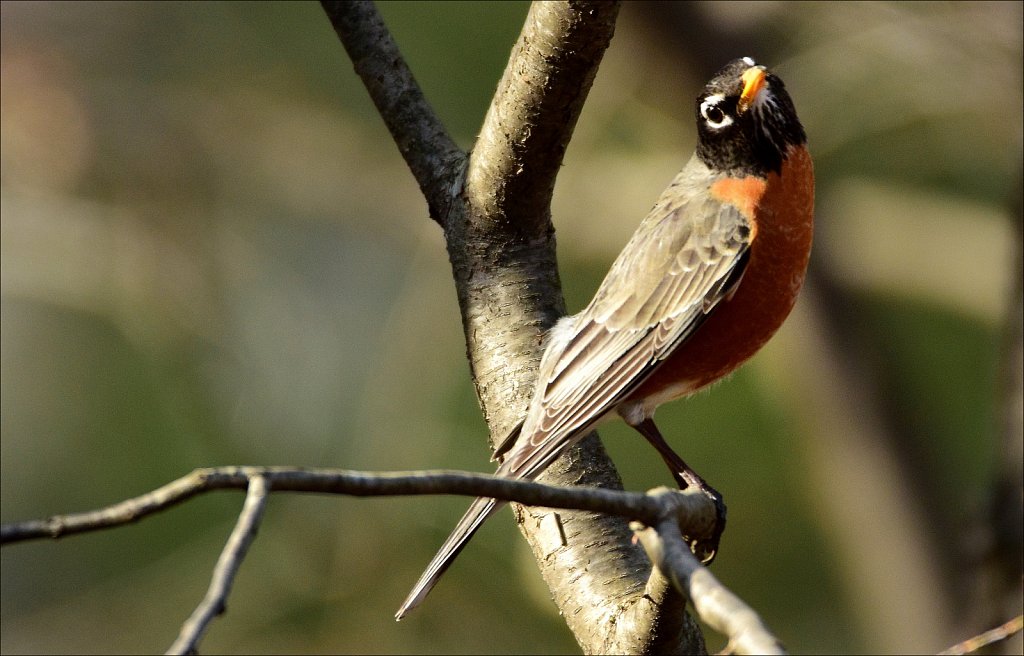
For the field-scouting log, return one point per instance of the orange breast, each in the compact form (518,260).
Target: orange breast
(781,209)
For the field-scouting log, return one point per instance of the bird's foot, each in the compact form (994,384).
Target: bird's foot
(705,548)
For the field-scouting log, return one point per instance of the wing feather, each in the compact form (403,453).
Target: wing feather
(686,256)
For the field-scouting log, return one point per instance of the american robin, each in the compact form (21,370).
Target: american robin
(705,281)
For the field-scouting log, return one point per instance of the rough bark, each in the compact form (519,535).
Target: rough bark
(494,207)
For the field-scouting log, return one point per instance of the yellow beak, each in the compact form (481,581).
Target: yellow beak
(753,82)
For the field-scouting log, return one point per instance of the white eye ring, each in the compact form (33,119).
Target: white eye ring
(715,117)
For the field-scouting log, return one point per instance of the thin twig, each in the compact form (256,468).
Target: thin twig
(215,601)
(997,634)
(715,604)
(668,510)
(632,505)
(124,512)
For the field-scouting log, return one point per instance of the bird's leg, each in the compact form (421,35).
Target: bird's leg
(685,477)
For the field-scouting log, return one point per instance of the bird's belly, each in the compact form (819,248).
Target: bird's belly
(739,326)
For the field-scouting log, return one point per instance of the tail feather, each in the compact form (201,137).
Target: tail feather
(481,509)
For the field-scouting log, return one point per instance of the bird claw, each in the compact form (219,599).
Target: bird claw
(706,548)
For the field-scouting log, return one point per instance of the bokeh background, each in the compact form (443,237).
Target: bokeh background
(212,253)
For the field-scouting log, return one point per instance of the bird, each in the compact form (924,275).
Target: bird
(708,277)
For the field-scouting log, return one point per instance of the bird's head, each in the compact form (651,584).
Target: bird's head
(746,120)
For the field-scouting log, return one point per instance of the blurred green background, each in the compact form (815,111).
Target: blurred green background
(212,253)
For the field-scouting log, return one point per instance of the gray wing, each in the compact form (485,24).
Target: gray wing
(685,257)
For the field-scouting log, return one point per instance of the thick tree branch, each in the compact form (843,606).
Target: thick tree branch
(512,168)
(421,137)
(501,246)
(496,218)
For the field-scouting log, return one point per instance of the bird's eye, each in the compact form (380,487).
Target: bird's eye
(713,114)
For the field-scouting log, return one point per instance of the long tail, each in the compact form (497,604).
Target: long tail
(481,509)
